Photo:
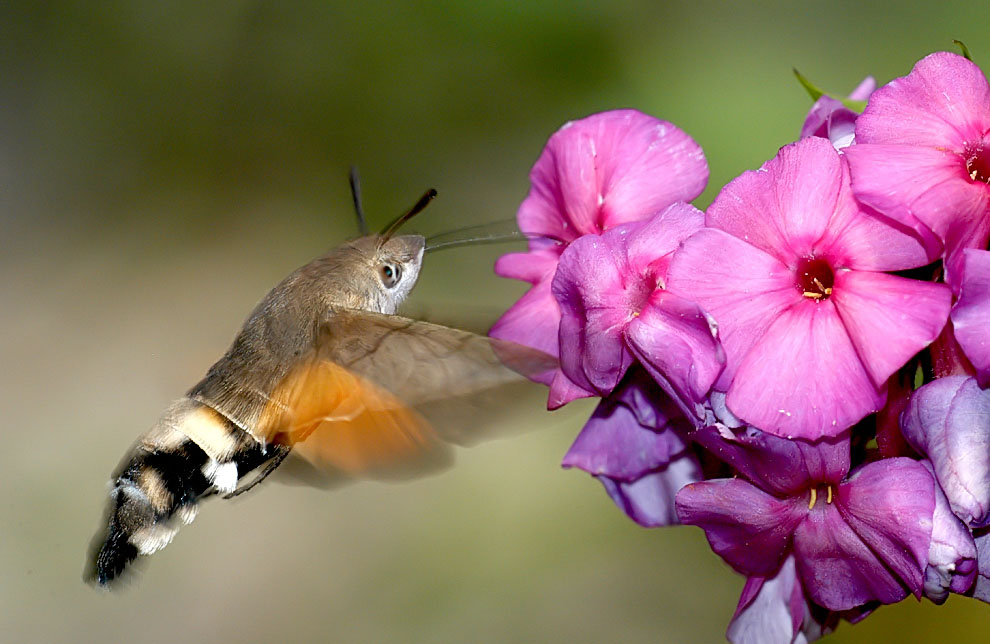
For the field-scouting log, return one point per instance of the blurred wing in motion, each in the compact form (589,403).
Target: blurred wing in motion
(381,395)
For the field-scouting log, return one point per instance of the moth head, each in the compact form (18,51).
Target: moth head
(391,269)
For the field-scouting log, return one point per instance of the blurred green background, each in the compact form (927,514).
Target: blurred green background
(161,167)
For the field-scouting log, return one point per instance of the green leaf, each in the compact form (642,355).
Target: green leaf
(816,92)
(855,106)
(810,87)
(965,50)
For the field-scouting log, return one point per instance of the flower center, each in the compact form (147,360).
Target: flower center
(827,493)
(978,163)
(815,278)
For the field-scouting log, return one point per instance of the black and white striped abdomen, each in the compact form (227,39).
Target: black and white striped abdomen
(191,453)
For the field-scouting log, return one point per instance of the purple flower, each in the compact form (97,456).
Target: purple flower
(923,152)
(948,421)
(981,589)
(952,554)
(830,119)
(775,610)
(856,538)
(615,310)
(594,174)
(971,314)
(635,444)
(791,268)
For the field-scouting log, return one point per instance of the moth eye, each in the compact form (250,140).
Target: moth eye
(391,274)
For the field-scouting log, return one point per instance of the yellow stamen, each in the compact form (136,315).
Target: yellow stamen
(828,499)
(813,295)
(814,497)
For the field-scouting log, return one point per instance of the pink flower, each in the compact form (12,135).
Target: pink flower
(971,314)
(923,153)
(594,174)
(791,268)
(830,119)
(615,310)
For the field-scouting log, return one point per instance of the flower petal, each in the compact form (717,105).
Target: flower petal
(944,99)
(981,589)
(649,501)
(804,379)
(607,169)
(534,321)
(563,391)
(838,570)
(948,421)
(861,239)
(784,207)
(613,443)
(590,287)
(747,527)
(952,559)
(673,339)
(831,119)
(889,318)
(659,236)
(889,504)
(770,611)
(971,314)
(532,267)
(904,181)
(781,466)
(744,291)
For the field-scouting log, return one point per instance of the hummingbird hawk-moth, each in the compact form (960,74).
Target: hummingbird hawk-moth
(323,369)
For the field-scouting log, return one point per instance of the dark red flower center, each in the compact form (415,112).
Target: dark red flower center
(978,163)
(815,278)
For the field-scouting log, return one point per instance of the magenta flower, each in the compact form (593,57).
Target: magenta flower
(923,151)
(856,537)
(615,309)
(791,269)
(830,119)
(594,174)
(971,314)
(636,445)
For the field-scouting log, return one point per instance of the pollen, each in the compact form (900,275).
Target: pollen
(978,163)
(814,497)
(814,278)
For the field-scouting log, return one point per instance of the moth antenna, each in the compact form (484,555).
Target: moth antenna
(490,233)
(397,223)
(355,179)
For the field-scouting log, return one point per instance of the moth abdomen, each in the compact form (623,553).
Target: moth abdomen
(192,453)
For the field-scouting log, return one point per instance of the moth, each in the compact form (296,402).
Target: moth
(323,370)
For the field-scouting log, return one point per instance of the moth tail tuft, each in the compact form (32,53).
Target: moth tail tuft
(155,492)
(192,453)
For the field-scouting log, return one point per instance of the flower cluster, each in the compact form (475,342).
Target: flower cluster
(802,370)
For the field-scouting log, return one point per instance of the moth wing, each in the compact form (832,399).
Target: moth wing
(383,394)
(461,382)
(340,422)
